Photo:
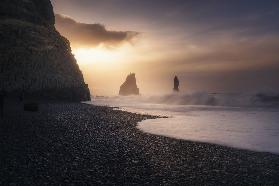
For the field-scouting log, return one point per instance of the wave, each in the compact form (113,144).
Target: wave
(218,99)
(198,98)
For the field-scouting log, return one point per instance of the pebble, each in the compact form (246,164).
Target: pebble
(79,144)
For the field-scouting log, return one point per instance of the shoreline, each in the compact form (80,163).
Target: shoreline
(143,126)
(76,143)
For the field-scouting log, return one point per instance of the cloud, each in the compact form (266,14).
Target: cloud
(228,54)
(91,35)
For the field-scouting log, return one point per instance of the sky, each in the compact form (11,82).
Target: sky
(212,46)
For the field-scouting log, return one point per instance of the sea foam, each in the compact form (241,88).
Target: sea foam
(236,120)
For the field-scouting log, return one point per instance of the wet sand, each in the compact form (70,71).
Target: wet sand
(79,144)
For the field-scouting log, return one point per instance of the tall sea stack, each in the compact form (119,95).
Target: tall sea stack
(176,84)
(34,57)
(129,87)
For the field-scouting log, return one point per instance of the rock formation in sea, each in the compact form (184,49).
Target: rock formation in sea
(34,57)
(129,87)
(176,84)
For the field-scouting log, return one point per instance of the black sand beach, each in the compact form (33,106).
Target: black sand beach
(78,144)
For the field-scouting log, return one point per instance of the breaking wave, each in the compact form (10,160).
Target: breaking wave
(202,98)
(218,99)
(247,121)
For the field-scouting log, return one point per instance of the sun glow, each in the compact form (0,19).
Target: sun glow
(100,55)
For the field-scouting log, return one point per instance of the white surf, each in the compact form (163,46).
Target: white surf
(241,121)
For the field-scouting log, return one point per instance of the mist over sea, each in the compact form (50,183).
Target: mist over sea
(246,121)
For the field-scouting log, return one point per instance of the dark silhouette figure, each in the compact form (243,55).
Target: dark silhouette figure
(176,84)
(2,96)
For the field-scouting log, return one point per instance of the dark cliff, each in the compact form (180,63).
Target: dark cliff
(34,11)
(129,87)
(34,57)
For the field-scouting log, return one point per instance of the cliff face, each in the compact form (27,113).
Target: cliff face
(34,11)
(34,57)
(129,87)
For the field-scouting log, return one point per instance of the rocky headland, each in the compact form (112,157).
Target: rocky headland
(35,58)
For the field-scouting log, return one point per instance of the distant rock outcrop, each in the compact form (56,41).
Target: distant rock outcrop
(34,57)
(129,87)
(176,84)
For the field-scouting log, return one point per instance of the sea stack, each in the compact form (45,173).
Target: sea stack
(176,84)
(35,58)
(129,87)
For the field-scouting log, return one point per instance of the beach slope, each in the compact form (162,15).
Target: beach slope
(73,143)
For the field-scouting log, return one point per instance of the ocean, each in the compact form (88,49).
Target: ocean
(245,121)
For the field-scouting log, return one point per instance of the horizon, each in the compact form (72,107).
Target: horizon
(211,46)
